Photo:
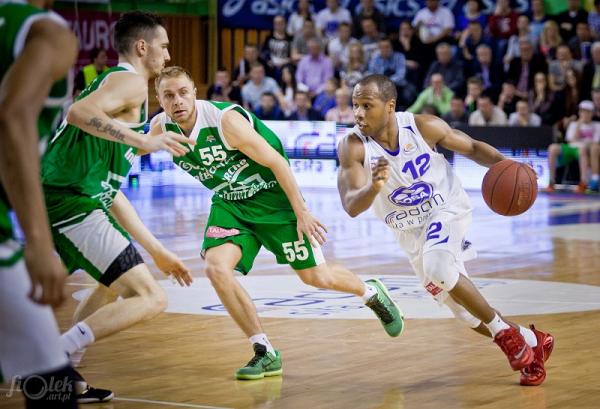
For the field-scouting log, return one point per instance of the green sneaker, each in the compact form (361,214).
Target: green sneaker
(386,309)
(263,364)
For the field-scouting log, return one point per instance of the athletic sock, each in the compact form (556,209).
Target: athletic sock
(263,340)
(370,291)
(79,336)
(496,325)
(529,336)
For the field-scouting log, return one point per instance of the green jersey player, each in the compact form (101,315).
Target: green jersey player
(256,203)
(87,159)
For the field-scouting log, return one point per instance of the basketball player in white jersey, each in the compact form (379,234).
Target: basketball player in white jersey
(389,161)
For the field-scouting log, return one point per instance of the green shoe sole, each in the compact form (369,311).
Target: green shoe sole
(385,291)
(249,377)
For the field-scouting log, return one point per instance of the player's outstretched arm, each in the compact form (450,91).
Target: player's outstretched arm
(438,132)
(165,260)
(356,190)
(240,135)
(122,91)
(49,53)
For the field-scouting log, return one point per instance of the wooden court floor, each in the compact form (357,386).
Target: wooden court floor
(187,360)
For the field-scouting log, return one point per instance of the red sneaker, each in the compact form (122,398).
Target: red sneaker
(535,373)
(512,343)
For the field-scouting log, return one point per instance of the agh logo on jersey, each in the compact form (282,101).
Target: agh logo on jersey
(409,147)
(412,195)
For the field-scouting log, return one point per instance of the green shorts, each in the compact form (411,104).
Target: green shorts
(568,154)
(266,219)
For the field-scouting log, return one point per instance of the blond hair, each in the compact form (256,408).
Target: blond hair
(172,72)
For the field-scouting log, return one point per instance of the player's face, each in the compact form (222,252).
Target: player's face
(371,113)
(157,53)
(177,97)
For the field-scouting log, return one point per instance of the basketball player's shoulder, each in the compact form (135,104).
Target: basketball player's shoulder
(431,128)
(351,147)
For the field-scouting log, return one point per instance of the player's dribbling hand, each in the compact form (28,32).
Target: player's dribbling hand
(311,227)
(170,142)
(170,264)
(380,173)
(47,275)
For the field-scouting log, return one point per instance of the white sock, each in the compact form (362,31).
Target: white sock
(78,337)
(263,340)
(529,336)
(496,325)
(595,177)
(370,291)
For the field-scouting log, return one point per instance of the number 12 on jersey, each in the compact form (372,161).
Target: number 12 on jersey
(421,161)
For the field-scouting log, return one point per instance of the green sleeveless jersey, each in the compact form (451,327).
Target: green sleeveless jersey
(16,20)
(228,172)
(81,172)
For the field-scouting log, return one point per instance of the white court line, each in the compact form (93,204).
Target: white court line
(155,402)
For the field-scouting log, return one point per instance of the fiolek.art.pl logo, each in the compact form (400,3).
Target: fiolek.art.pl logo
(34,387)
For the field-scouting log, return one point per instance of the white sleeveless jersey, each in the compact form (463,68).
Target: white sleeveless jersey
(421,181)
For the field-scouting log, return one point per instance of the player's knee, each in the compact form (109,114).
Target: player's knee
(156,300)
(317,278)
(554,149)
(219,275)
(440,268)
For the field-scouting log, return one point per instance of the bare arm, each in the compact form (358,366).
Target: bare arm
(122,91)
(166,261)
(48,55)
(240,135)
(437,132)
(357,191)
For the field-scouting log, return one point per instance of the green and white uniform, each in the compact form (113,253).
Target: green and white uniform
(29,337)
(249,208)
(82,174)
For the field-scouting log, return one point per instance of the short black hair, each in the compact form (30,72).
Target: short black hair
(132,26)
(385,86)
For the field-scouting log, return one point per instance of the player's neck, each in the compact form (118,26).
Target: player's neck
(188,125)
(137,64)
(388,137)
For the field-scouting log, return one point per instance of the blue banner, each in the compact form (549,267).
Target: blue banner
(259,13)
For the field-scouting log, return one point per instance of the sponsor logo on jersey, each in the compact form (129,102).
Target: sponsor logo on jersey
(409,147)
(215,232)
(415,216)
(412,195)
(433,289)
(210,138)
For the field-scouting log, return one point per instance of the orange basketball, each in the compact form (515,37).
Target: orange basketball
(509,188)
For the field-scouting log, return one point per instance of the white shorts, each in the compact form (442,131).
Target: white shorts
(29,337)
(444,231)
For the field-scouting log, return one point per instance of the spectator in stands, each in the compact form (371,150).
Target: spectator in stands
(487,114)
(558,68)
(435,24)
(580,136)
(353,72)
(523,116)
(326,99)
(490,73)
(314,69)
(328,20)
(502,24)
(409,44)
(513,50)
(538,17)
(367,9)
(507,101)
(337,48)
(393,65)
(581,44)
(342,112)
(568,19)
(257,85)
(277,48)
(300,42)
(543,100)
(451,69)
(472,13)
(523,68)
(268,109)
(241,73)
(550,40)
(469,40)
(303,111)
(296,21)
(458,115)
(437,94)
(596,101)
(370,37)
(88,73)
(474,91)
(594,20)
(222,89)
(591,71)
(289,87)
(571,92)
